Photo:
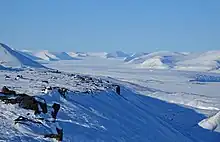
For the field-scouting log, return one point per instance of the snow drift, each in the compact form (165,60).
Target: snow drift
(211,123)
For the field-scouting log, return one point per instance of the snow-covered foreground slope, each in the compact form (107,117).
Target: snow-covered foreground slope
(92,111)
(12,58)
(197,90)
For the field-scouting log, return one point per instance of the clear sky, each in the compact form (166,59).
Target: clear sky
(110,25)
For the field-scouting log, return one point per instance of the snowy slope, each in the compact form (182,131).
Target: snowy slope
(46,55)
(29,54)
(163,54)
(64,56)
(14,59)
(133,56)
(93,111)
(204,61)
(196,90)
(207,61)
(158,60)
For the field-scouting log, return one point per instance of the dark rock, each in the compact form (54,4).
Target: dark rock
(7,77)
(56,108)
(28,102)
(118,89)
(62,92)
(45,81)
(22,119)
(7,91)
(58,136)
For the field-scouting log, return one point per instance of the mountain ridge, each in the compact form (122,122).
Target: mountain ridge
(12,58)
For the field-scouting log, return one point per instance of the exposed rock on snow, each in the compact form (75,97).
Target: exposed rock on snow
(91,110)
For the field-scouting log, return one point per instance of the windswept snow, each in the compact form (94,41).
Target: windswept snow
(196,90)
(211,123)
(99,114)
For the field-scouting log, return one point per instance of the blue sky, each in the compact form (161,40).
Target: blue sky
(110,25)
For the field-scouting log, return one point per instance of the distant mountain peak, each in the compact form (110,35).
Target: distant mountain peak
(12,58)
(117,54)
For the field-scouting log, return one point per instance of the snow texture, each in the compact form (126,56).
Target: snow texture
(99,115)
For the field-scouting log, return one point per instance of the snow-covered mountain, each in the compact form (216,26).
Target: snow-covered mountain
(46,55)
(78,54)
(157,60)
(134,55)
(206,61)
(14,59)
(64,56)
(117,54)
(29,54)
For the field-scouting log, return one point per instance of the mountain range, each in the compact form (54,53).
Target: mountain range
(204,61)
